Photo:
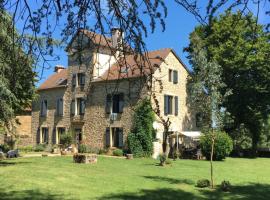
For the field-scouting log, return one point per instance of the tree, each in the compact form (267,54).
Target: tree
(141,137)
(205,84)
(241,47)
(16,75)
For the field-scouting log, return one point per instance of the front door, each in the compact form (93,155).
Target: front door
(78,135)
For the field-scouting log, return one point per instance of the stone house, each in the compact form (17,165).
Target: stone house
(95,95)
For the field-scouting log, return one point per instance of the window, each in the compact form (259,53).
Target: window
(60,131)
(80,106)
(199,120)
(175,76)
(115,103)
(74,80)
(168,105)
(59,107)
(44,135)
(170,75)
(114,137)
(81,79)
(43,109)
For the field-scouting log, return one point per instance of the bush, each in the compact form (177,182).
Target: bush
(225,186)
(202,183)
(82,148)
(222,147)
(162,159)
(67,139)
(118,152)
(4,147)
(141,137)
(26,149)
(40,147)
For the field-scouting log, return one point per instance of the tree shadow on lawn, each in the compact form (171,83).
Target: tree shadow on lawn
(29,195)
(10,162)
(170,180)
(252,191)
(245,192)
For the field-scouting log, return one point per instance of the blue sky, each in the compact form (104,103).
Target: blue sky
(179,24)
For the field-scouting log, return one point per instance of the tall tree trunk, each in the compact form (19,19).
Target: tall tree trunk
(211,160)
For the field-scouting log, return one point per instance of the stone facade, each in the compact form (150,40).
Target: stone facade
(95,127)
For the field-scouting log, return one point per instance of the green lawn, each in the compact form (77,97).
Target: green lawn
(112,178)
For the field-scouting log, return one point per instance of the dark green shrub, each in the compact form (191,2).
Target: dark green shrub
(162,159)
(225,186)
(135,145)
(4,147)
(202,183)
(67,139)
(82,148)
(222,147)
(118,152)
(141,136)
(40,147)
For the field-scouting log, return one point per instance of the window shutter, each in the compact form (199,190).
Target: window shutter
(121,102)
(82,79)
(176,105)
(73,107)
(54,136)
(45,108)
(107,137)
(165,104)
(108,104)
(82,106)
(175,76)
(61,108)
(57,107)
(74,80)
(120,137)
(38,136)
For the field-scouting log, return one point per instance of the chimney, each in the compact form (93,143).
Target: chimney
(117,37)
(58,68)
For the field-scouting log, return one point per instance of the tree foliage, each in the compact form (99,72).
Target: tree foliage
(241,47)
(223,145)
(16,75)
(141,137)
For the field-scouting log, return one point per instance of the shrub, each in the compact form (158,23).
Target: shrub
(4,147)
(66,139)
(222,147)
(26,149)
(141,137)
(202,183)
(225,186)
(82,148)
(40,147)
(118,152)
(162,158)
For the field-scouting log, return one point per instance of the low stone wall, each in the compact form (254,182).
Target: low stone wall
(85,158)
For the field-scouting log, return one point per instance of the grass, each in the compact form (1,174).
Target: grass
(111,178)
